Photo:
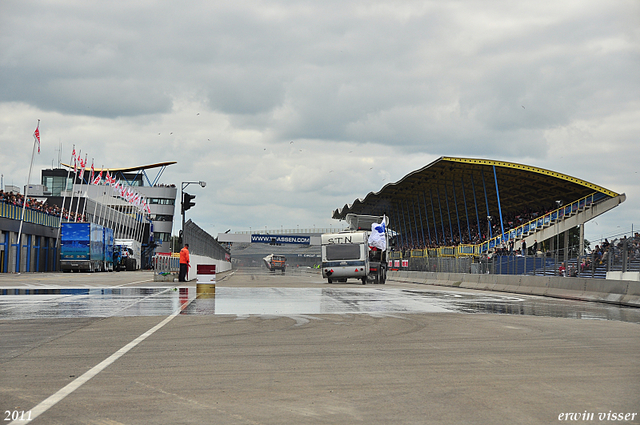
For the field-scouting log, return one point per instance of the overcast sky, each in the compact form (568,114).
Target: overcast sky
(291,109)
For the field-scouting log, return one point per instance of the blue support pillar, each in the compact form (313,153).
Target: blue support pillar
(455,202)
(18,249)
(486,201)
(433,214)
(475,203)
(466,211)
(495,177)
(419,214)
(27,266)
(5,262)
(426,217)
(399,228)
(37,247)
(446,197)
(404,222)
(409,227)
(444,238)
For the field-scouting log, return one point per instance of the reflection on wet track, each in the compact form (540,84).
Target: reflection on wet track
(39,303)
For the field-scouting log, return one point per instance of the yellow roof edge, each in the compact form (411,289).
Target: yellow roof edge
(530,168)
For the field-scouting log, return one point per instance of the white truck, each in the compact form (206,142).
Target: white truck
(361,252)
(131,254)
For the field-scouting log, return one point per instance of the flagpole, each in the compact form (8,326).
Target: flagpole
(73,185)
(84,204)
(64,197)
(101,204)
(26,194)
(81,183)
(131,222)
(140,227)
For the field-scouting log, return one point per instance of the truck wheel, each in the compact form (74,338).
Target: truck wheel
(383,276)
(330,280)
(364,280)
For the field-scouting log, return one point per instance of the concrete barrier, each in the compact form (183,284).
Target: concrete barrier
(622,292)
(221,265)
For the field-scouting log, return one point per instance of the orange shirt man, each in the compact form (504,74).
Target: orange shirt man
(184,263)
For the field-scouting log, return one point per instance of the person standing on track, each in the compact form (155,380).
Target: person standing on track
(184,263)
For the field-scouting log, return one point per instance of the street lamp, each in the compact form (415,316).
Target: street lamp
(190,204)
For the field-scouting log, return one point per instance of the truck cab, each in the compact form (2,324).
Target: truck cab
(349,254)
(275,262)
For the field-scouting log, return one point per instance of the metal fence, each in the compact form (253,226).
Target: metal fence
(14,212)
(619,255)
(165,264)
(202,243)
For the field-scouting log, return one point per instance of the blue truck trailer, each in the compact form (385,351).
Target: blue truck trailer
(86,247)
(108,249)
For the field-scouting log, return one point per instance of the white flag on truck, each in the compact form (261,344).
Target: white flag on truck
(377,237)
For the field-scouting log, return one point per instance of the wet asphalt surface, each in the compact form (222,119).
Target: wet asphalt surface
(143,297)
(118,348)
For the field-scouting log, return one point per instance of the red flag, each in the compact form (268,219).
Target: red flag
(36,135)
(83,165)
(92,172)
(98,178)
(108,179)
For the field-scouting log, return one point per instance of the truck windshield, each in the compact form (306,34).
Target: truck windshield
(343,251)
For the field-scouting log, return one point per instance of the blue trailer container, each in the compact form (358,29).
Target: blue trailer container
(82,247)
(108,249)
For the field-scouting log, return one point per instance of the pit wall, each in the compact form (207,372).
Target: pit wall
(622,292)
(221,265)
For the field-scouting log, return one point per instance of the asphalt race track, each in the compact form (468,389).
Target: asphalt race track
(118,348)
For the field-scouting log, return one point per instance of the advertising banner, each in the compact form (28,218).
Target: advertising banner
(280,239)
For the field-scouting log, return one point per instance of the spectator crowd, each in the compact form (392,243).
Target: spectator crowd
(33,204)
(470,236)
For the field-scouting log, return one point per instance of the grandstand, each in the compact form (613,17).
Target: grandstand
(464,207)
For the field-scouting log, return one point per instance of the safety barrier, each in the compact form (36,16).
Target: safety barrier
(465,250)
(607,291)
(165,267)
(447,251)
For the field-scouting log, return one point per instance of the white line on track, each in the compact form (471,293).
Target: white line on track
(79,381)
(132,283)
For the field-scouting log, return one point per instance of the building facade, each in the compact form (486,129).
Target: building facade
(99,203)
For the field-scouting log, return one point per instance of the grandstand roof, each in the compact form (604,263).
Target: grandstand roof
(130,169)
(460,184)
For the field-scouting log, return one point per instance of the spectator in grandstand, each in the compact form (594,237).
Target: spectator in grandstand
(524,248)
(596,255)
